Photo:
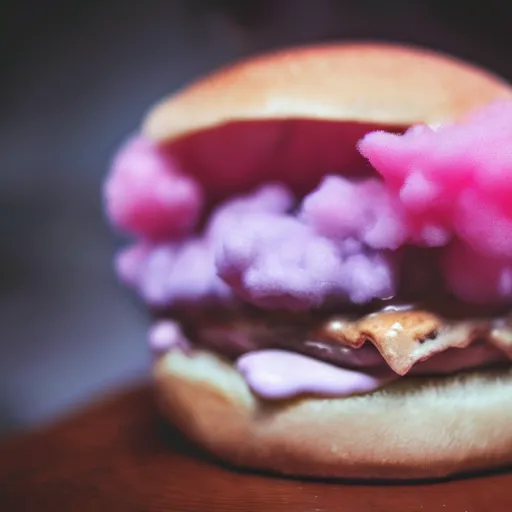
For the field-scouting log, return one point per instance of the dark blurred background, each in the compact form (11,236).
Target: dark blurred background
(76,79)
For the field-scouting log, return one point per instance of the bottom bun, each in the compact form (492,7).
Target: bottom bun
(412,429)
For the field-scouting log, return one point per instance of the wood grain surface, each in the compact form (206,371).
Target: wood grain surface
(118,455)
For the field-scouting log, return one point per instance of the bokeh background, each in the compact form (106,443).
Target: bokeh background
(76,79)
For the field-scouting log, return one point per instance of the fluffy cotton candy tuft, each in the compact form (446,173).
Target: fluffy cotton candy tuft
(364,210)
(175,275)
(270,198)
(147,196)
(455,183)
(275,260)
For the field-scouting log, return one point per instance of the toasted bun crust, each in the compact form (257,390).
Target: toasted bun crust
(361,82)
(415,428)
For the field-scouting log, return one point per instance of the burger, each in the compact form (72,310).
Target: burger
(322,237)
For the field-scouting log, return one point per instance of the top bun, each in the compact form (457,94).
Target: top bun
(375,83)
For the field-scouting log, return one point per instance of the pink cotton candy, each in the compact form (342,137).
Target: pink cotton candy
(147,196)
(455,183)
(483,225)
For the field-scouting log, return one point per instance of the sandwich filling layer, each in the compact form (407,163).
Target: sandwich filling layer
(327,292)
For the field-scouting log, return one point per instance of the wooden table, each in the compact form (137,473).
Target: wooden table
(117,455)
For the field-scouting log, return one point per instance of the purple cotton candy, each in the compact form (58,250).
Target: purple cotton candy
(277,261)
(270,198)
(172,275)
(254,247)
(365,210)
